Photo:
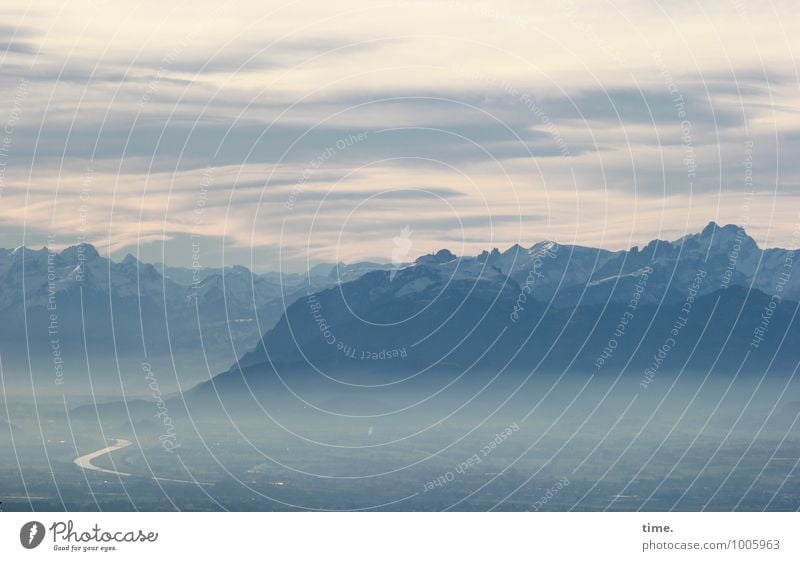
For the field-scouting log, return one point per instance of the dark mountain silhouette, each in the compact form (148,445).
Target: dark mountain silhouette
(74,317)
(666,308)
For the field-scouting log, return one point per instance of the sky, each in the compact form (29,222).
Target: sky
(282,134)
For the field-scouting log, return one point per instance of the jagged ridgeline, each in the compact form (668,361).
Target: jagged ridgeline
(701,303)
(72,317)
(710,300)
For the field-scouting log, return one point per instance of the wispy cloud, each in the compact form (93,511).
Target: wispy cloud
(489,124)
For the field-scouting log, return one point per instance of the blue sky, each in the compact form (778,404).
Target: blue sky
(282,134)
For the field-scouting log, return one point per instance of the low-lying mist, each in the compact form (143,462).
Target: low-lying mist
(464,442)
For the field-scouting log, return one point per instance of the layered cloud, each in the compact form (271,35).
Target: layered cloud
(304,132)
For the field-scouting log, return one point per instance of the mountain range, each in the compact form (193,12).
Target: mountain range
(710,303)
(76,318)
(547,308)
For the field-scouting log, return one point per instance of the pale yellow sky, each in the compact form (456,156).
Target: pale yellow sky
(312,131)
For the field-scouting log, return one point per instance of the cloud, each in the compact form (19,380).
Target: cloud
(253,56)
(18,47)
(629,106)
(17,40)
(186,144)
(545,132)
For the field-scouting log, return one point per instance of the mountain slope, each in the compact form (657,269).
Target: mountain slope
(445,315)
(81,323)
